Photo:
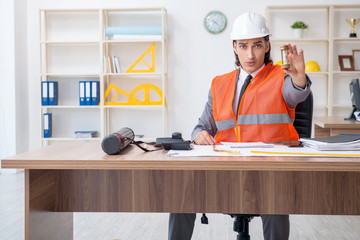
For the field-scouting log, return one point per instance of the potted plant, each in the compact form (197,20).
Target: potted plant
(299,27)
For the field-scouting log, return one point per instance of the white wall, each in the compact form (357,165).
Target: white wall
(7,79)
(194,55)
(21,76)
(14,117)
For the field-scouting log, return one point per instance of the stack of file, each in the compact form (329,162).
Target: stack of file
(47,125)
(85,134)
(49,91)
(340,142)
(111,64)
(89,92)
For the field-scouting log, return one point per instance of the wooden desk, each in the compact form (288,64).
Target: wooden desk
(66,178)
(330,126)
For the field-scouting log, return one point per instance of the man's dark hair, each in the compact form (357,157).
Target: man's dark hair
(267,58)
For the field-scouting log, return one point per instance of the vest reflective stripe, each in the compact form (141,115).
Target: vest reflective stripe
(264,118)
(225,124)
(254,119)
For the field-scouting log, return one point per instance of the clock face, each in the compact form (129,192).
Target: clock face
(215,22)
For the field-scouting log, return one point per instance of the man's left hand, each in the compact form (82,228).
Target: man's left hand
(297,66)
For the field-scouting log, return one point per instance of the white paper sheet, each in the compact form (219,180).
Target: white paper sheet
(207,150)
(247,144)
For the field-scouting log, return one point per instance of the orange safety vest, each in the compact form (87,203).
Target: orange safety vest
(263,116)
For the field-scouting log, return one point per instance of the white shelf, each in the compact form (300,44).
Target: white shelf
(72,49)
(70,10)
(286,40)
(68,75)
(347,39)
(320,107)
(70,139)
(141,107)
(316,73)
(134,40)
(341,106)
(324,40)
(109,10)
(295,7)
(134,74)
(71,42)
(70,107)
(347,72)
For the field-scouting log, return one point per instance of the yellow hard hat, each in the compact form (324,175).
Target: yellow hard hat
(312,66)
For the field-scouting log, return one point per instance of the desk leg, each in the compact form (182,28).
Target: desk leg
(321,132)
(41,222)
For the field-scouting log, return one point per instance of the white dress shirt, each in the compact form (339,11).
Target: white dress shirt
(240,83)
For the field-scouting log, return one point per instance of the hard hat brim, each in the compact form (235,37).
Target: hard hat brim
(248,36)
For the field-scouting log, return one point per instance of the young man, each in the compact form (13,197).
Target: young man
(254,103)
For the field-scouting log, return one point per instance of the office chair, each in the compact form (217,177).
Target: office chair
(302,124)
(303,117)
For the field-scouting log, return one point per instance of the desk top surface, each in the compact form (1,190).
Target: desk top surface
(335,122)
(89,155)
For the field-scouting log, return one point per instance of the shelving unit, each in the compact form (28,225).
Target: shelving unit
(326,38)
(73,45)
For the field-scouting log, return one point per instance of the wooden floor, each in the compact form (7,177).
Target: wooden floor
(153,226)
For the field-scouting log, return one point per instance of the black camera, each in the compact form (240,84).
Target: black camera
(175,142)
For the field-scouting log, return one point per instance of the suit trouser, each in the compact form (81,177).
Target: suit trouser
(275,227)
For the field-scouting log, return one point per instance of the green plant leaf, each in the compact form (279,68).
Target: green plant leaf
(299,25)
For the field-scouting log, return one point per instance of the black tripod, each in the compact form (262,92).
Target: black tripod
(241,225)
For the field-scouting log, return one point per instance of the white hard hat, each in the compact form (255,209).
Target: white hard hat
(249,25)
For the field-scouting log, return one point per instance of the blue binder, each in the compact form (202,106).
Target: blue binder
(82,92)
(47,125)
(53,93)
(95,92)
(44,93)
(87,93)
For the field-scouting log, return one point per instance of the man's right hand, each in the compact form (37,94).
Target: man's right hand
(204,138)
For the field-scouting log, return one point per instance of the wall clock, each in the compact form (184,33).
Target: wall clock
(215,22)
